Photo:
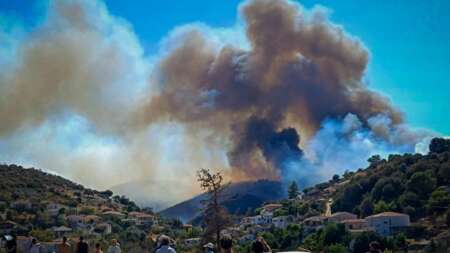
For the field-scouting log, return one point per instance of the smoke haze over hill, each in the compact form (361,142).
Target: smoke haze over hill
(289,101)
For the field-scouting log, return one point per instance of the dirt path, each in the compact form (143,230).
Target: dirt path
(328,207)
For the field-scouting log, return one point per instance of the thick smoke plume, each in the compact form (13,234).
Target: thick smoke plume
(80,85)
(300,70)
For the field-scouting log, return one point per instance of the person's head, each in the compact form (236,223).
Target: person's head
(33,241)
(164,240)
(97,246)
(114,242)
(226,242)
(81,238)
(209,246)
(374,246)
(64,239)
(258,246)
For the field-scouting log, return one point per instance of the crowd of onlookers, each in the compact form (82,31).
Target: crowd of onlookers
(63,247)
(164,245)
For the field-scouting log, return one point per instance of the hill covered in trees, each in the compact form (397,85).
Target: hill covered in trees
(238,198)
(415,184)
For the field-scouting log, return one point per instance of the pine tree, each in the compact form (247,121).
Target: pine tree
(293,190)
(215,215)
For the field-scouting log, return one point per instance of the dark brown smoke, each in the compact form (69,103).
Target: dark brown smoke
(300,67)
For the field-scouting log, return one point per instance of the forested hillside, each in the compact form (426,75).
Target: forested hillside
(415,184)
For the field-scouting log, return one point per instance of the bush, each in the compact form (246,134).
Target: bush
(439,145)
(44,235)
(337,248)
(421,183)
(87,211)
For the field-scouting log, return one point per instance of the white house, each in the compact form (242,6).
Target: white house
(388,222)
(257,220)
(142,219)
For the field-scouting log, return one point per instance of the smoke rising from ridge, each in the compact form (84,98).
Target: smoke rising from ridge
(300,69)
(285,99)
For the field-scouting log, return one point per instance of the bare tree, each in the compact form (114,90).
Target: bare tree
(215,215)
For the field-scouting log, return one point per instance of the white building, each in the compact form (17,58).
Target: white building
(257,220)
(142,219)
(387,223)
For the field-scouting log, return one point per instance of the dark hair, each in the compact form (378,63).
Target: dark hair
(81,238)
(64,239)
(34,241)
(375,245)
(164,240)
(97,245)
(257,246)
(226,242)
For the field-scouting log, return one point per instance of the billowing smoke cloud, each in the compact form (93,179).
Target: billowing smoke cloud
(240,98)
(300,70)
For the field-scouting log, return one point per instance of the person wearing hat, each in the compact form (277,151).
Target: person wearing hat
(209,247)
(164,242)
(11,244)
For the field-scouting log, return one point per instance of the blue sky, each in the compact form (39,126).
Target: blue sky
(407,39)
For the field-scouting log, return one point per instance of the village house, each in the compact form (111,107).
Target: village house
(21,204)
(103,228)
(113,214)
(91,219)
(356,225)
(388,223)
(142,219)
(257,220)
(341,216)
(61,231)
(270,208)
(53,209)
(187,228)
(256,229)
(282,221)
(313,223)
